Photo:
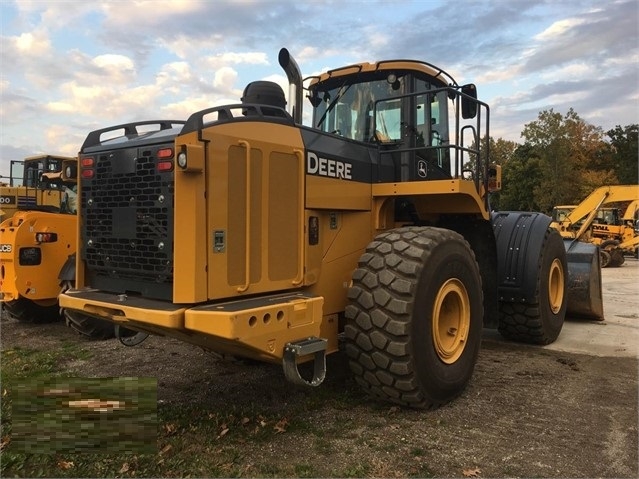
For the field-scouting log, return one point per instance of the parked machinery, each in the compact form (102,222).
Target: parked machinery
(591,221)
(38,245)
(249,234)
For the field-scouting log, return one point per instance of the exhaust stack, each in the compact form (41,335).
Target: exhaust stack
(295,89)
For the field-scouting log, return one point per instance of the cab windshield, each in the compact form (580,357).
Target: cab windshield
(384,109)
(33,170)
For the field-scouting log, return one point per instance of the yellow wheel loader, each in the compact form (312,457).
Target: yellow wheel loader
(38,244)
(249,234)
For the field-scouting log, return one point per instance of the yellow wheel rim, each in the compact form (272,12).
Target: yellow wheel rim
(451,320)
(556,286)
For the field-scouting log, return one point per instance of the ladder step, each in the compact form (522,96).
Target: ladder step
(304,347)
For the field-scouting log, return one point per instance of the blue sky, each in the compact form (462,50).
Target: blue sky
(68,67)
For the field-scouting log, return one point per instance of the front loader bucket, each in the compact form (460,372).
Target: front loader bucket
(585,298)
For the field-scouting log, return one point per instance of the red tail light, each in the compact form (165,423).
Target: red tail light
(46,237)
(87,165)
(165,153)
(164,166)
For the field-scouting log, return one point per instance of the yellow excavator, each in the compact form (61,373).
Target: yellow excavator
(591,221)
(253,235)
(616,234)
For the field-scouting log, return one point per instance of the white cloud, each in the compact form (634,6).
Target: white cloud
(174,76)
(235,58)
(141,13)
(558,29)
(185,46)
(31,44)
(224,78)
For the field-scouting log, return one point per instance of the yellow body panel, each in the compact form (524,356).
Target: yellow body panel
(36,282)
(255,214)
(328,193)
(13,196)
(267,325)
(436,197)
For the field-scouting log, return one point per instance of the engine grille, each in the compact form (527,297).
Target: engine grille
(127,224)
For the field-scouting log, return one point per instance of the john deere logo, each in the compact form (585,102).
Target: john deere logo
(329,167)
(422,169)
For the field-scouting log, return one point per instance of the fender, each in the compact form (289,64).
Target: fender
(67,273)
(519,237)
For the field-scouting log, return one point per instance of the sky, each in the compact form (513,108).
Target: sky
(69,67)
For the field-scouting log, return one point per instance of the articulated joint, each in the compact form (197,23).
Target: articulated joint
(292,351)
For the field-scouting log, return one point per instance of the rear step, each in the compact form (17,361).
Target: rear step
(294,350)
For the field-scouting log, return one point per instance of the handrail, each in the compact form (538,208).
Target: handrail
(300,275)
(247,233)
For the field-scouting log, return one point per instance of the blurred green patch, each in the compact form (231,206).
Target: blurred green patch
(97,415)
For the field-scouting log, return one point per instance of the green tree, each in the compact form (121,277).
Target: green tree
(501,151)
(571,158)
(520,174)
(625,148)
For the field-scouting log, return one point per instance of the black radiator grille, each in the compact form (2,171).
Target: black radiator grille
(127,230)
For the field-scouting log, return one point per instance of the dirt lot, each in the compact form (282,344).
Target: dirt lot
(528,411)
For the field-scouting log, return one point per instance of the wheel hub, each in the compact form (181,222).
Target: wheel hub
(451,321)
(556,285)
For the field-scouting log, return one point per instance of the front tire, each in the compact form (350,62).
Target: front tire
(615,255)
(27,311)
(414,318)
(540,321)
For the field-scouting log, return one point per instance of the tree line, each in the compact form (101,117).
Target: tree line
(561,161)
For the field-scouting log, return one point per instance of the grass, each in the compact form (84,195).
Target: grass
(57,415)
(42,436)
(173,439)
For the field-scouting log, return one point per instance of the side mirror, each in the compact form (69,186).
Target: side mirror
(494,178)
(314,99)
(468,101)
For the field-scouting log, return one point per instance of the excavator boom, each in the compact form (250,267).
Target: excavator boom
(585,253)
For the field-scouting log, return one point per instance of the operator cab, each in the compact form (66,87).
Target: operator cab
(402,106)
(35,167)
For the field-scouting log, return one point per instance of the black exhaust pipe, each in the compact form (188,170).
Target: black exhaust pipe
(295,89)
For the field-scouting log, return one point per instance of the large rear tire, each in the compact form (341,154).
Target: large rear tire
(26,311)
(88,326)
(540,322)
(414,318)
